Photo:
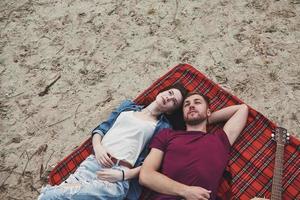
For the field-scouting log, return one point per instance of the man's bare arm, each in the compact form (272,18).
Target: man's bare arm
(236,117)
(234,126)
(151,178)
(224,114)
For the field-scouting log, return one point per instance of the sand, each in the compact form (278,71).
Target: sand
(98,53)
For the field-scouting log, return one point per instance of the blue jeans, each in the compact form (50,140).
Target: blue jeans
(89,186)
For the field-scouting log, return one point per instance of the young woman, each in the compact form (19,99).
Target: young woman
(120,146)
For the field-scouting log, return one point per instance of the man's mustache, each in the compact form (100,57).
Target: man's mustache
(192,111)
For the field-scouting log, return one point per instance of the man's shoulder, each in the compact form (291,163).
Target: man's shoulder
(169,132)
(165,131)
(217,131)
(221,134)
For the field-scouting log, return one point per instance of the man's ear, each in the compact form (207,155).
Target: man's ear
(208,112)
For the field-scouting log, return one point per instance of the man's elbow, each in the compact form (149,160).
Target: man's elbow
(245,108)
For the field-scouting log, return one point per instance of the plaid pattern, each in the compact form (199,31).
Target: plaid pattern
(250,168)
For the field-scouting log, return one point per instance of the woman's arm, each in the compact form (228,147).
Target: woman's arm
(114,175)
(100,152)
(132,173)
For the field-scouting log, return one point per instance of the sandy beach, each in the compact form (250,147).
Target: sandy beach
(65,65)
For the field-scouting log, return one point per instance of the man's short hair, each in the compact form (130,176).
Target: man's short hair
(197,93)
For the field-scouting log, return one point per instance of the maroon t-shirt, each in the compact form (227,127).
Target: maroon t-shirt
(193,158)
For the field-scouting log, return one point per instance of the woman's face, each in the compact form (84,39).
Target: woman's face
(169,100)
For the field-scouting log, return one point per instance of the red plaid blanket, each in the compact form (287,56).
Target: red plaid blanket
(250,168)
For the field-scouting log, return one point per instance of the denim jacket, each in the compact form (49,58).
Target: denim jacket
(128,105)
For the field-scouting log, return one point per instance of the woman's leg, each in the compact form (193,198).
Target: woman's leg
(85,172)
(84,184)
(102,190)
(95,190)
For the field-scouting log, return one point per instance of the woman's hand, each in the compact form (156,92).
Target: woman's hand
(110,175)
(102,156)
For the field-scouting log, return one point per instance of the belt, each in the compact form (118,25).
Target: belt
(121,162)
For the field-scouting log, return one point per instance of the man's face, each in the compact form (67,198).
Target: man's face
(169,100)
(195,109)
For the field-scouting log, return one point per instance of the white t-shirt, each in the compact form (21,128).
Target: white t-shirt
(128,136)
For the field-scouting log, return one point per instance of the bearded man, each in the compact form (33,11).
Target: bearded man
(189,164)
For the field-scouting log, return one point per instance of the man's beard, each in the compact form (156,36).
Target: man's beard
(195,120)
